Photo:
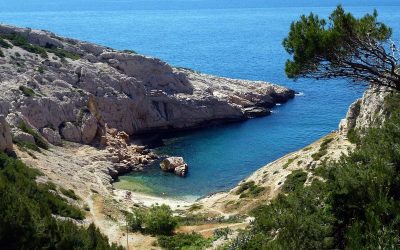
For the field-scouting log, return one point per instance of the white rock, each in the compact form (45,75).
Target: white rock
(174,164)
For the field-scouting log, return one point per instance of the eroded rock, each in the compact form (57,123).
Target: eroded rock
(174,164)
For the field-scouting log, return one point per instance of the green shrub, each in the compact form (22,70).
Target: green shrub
(181,241)
(69,193)
(39,140)
(295,180)
(249,189)
(222,233)
(28,92)
(62,53)
(21,41)
(158,220)
(136,220)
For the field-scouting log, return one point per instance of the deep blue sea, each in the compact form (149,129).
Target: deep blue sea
(240,39)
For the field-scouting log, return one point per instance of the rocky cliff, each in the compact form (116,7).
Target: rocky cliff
(65,88)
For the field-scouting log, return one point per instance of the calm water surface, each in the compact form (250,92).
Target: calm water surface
(240,39)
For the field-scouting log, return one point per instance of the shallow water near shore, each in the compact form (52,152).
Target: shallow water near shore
(235,41)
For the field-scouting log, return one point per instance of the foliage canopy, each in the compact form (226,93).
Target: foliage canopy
(343,46)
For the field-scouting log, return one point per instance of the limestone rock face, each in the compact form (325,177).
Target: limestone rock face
(129,92)
(368,111)
(5,135)
(174,164)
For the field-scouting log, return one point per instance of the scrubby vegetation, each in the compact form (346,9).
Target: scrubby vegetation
(69,193)
(355,204)
(290,161)
(28,92)
(296,179)
(181,241)
(323,149)
(62,53)
(158,220)
(22,42)
(27,209)
(249,189)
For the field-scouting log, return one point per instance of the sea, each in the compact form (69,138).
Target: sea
(230,38)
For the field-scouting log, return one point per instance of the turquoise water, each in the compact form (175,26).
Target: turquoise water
(240,39)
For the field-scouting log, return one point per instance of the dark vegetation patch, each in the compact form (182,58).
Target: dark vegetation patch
(295,180)
(28,92)
(69,193)
(26,210)
(249,189)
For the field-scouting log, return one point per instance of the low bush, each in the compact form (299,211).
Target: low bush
(62,53)
(295,180)
(182,241)
(28,92)
(249,189)
(158,220)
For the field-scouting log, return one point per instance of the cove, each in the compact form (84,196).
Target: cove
(237,41)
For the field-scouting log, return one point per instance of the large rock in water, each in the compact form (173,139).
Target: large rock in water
(131,92)
(174,164)
(5,135)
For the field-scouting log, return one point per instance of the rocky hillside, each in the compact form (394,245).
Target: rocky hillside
(67,89)
(267,182)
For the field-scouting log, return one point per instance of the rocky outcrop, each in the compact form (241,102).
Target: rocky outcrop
(176,165)
(5,135)
(131,92)
(52,136)
(366,112)
(123,156)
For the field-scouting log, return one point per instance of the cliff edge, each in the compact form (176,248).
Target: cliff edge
(62,87)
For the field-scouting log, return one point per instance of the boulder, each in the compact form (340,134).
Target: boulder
(20,136)
(174,164)
(70,132)
(5,135)
(52,136)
